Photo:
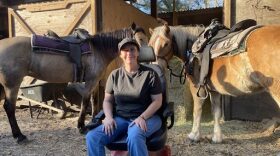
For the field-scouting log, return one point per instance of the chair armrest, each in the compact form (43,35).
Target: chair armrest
(169,112)
(96,121)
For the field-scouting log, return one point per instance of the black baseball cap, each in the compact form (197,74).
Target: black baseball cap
(128,41)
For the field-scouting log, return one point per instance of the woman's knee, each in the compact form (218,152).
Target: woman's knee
(94,137)
(135,133)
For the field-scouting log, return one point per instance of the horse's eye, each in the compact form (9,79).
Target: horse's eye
(165,44)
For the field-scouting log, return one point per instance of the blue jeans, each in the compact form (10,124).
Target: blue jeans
(96,139)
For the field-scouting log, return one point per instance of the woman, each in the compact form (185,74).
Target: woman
(133,94)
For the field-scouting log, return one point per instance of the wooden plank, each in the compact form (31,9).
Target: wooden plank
(41,104)
(21,21)
(47,6)
(77,19)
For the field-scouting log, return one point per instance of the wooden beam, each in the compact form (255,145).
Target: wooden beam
(77,19)
(154,8)
(227,13)
(20,20)
(10,23)
(93,9)
(99,15)
(46,6)
(96,14)
(174,15)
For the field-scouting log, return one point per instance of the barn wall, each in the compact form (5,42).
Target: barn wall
(57,20)
(116,14)
(263,11)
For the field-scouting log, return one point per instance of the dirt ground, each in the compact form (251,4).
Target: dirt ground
(52,136)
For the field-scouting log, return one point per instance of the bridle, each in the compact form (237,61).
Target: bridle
(166,57)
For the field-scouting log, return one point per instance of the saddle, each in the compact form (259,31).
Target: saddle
(219,41)
(73,45)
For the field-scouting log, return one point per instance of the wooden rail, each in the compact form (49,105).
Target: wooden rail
(46,6)
(11,14)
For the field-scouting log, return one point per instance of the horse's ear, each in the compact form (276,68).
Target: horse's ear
(166,29)
(161,21)
(151,31)
(133,26)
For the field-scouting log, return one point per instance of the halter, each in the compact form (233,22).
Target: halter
(175,50)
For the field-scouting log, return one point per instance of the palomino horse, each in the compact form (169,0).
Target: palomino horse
(252,71)
(17,60)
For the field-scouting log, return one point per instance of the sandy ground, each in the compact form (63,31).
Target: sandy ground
(49,135)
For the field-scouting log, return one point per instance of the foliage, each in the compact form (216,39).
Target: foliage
(180,5)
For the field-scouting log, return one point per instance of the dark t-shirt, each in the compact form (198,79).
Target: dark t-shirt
(132,92)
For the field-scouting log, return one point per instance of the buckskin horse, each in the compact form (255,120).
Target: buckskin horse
(17,60)
(254,70)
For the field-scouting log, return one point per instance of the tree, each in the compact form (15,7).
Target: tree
(180,5)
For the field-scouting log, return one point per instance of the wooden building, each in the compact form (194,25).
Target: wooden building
(25,17)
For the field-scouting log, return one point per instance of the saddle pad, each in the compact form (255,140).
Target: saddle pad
(231,45)
(45,44)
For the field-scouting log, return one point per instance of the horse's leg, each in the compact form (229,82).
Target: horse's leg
(216,111)
(197,110)
(10,106)
(89,88)
(95,101)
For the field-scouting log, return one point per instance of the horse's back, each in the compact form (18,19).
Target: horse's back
(18,44)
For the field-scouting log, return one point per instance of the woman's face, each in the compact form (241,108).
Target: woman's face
(129,54)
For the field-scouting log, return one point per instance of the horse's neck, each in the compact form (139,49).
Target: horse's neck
(181,40)
(185,37)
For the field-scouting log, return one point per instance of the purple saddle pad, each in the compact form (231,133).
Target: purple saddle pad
(41,43)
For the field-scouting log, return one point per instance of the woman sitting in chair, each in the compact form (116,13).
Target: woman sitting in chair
(133,94)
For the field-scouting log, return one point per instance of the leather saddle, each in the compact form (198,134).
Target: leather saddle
(73,46)
(217,41)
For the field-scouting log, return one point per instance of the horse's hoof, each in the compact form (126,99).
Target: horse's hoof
(194,137)
(83,130)
(216,141)
(22,140)
(191,141)
(81,127)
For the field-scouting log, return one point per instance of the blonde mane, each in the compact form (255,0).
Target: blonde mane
(181,34)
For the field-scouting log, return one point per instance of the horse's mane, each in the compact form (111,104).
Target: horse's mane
(182,34)
(110,40)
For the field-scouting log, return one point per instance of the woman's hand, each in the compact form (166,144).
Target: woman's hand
(140,122)
(109,125)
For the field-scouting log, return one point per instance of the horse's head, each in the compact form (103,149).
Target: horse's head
(139,35)
(161,40)
(176,40)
